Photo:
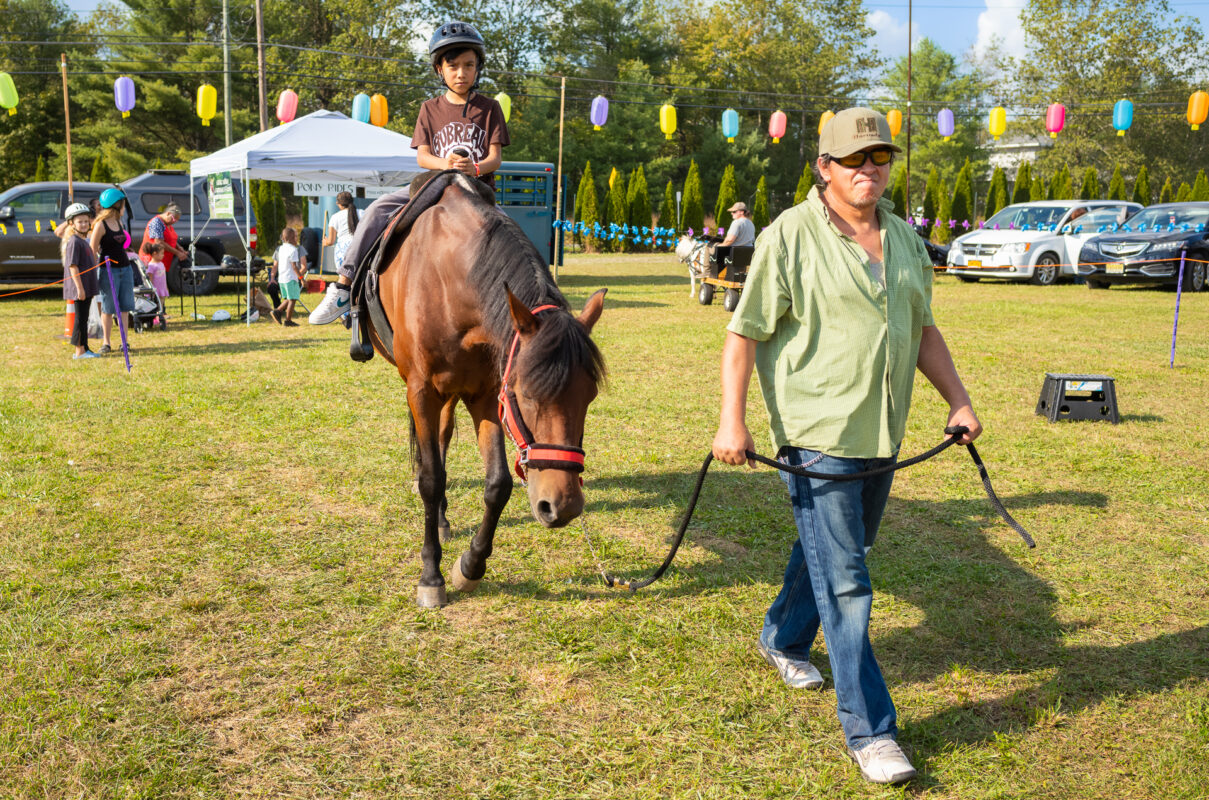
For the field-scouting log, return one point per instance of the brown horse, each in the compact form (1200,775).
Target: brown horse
(459,294)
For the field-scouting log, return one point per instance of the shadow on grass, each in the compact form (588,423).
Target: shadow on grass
(591,283)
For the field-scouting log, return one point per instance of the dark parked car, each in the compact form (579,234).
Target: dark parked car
(1147,248)
(29,250)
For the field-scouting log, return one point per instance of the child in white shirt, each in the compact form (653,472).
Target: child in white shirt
(291,267)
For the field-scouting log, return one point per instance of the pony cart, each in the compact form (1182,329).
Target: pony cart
(727,271)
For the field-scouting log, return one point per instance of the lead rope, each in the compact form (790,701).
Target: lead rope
(614,582)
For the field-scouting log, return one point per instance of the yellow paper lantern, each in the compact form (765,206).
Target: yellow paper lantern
(998,123)
(823,120)
(379,112)
(667,119)
(8,93)
(895,118)
(1198,109)
(505,101)
(207,103)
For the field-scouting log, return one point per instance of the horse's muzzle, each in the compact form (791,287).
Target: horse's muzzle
(555,509)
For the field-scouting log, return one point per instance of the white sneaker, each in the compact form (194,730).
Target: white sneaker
(796,673)
(883,761)
(334,304)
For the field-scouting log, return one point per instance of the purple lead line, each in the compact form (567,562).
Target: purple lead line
(1175,325)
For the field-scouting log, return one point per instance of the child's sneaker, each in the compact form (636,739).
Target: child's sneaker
(334,304)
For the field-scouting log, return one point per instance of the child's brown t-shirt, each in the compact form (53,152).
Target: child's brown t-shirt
(442,127)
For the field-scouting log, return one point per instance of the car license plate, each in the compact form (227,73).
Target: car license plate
(973,263)
(1114,269)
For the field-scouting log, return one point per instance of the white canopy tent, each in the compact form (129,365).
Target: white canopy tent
(322,146)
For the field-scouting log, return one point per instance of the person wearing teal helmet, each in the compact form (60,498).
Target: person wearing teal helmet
(110,241)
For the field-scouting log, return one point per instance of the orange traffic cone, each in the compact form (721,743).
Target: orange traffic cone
(69,322)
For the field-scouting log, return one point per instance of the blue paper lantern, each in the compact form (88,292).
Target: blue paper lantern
(730,124)
(361,107)
(1122,116)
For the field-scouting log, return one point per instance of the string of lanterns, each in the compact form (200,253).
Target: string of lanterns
(375,111)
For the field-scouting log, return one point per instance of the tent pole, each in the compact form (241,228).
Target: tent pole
(558,179)
(247,244)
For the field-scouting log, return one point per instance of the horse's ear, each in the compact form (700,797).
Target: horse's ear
(522,318)
(592,309)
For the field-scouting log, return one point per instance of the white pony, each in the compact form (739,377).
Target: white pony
(695,254)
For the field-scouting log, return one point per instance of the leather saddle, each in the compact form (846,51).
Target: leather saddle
(366,305)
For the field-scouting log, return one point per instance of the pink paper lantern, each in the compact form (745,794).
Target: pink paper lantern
(1055,119)
(287,106)
(776,125)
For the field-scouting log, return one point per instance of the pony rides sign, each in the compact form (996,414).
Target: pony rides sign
(502,341)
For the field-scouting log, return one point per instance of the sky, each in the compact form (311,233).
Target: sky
(955,26)
(959,27)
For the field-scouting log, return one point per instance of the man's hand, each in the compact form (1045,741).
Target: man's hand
(731,443)
(964,415)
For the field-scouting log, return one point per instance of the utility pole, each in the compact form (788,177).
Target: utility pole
(226,74)
(264,110)
(71,195)
(907,187)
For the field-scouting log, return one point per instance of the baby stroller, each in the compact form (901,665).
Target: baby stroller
(148,305)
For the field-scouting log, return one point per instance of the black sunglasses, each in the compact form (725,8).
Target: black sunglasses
(881,157)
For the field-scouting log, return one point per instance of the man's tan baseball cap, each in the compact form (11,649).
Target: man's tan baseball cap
(855,129)
(740,206)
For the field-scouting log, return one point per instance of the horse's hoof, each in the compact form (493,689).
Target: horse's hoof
(415,486)
(431,597)
(460,582)
(444,531)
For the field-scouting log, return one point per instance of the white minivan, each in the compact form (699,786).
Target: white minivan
(1037,242)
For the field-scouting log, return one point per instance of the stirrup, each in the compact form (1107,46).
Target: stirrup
(359,349)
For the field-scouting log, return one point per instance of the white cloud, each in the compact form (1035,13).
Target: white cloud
(890,33)
(999,28)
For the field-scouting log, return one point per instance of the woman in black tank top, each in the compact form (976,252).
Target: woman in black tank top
(113,244)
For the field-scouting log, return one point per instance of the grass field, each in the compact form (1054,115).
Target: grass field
(208,570)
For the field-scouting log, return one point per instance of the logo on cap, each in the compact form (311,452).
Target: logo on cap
(866,126)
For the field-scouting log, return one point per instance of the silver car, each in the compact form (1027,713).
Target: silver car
(1037,242)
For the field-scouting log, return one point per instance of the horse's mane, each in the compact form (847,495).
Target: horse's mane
(506,259)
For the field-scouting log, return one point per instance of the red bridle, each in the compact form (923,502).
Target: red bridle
(530,453)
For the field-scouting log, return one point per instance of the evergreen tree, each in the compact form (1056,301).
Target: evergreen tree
(587,206)
(618,213)
(931,192)
(1091,185)
(40,173)
(1167,193)
(1060,185)
(100,172)
(638,205)
(1141,186)
(269,207)
(805,183)
(941,232)
(997,195)
(1116,185)
(759,206)
(1037,189)
(728,195)
(962,207)
(667,214)
(158,164)
(1023,187)
(1184,194)
(898,195)
(1200,189)
(692,208)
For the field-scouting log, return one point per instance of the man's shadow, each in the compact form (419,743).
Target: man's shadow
(982,612)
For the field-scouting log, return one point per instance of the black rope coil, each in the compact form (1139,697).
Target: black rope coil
(953,432)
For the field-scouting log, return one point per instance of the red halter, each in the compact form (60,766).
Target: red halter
(530,453)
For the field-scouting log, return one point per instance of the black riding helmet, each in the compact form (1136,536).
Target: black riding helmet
(456,34)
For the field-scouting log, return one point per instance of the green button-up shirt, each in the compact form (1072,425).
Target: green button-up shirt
(836,350)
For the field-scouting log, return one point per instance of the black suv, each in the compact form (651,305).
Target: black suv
(1147,248)
(29,250)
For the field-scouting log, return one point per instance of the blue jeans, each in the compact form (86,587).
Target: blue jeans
(827,583)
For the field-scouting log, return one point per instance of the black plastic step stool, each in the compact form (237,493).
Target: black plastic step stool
(1078,397)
